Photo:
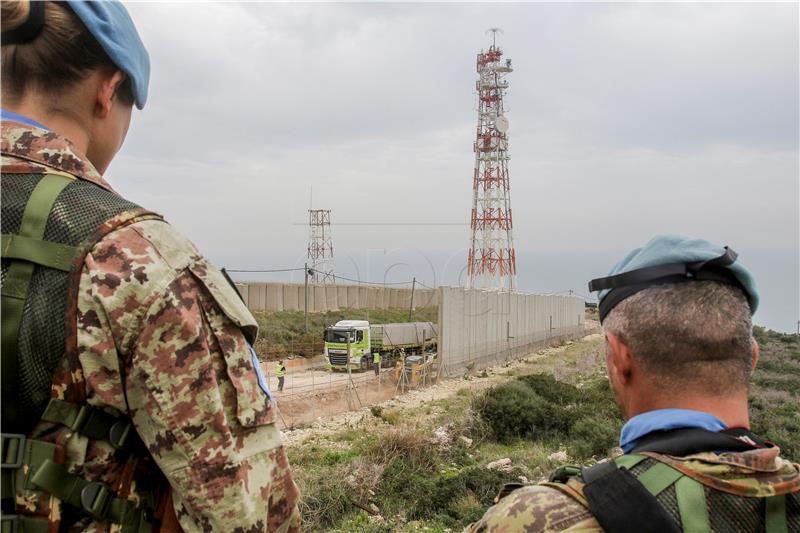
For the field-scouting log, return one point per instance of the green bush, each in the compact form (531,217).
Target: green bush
(552,390)
(539,407)
(454,499)
(361,523)
(402,486)
(593,436)
(515,410)
(324,499)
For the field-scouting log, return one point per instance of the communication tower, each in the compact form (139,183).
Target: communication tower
(320,247)
(491,263)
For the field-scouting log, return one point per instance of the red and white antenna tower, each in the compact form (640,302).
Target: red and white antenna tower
(492,261)
(320,247)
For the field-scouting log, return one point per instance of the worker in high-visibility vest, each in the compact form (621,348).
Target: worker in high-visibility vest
(280,372)
(376,362)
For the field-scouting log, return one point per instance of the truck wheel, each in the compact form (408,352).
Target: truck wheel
(364,364)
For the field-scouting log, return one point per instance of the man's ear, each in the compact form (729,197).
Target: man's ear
(618,358)
(756,354)
(107,92)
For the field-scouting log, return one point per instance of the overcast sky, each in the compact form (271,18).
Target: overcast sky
(626,120)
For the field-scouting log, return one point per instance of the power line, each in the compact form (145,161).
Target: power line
(300,269)
(572,292)
(267,271)
(373,282)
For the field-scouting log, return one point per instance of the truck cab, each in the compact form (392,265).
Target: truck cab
(336,341)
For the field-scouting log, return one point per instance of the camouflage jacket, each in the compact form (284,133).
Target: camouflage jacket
(552,507)
(161,336)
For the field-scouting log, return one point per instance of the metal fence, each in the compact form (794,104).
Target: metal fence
(313,393)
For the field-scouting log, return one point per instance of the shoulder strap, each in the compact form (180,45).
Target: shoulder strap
(621,503)
(27,248)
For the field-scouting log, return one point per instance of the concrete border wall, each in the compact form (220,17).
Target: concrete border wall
(479,328)
(269,297)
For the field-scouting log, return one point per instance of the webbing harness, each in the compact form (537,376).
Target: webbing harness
(28,248)
(43,471)
(624,503)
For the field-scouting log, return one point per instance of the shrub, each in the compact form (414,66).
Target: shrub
(324,499)
(361,523)
(597,398)
(593,436)
(455,500)
(482,483)
(404,444)
(515,410)
(551,389)
(403,485)
(541,408)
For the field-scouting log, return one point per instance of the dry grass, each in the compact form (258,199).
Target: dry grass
(404,444)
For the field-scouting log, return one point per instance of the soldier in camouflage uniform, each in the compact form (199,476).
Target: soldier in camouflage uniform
(676,315)
(132,399)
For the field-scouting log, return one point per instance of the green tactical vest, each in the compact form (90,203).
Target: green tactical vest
(694,506)
(49,222)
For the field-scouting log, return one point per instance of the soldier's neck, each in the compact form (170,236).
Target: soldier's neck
(65,125)
(731,408)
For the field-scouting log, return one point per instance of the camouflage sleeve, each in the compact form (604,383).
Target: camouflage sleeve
(535,509)
(151,303)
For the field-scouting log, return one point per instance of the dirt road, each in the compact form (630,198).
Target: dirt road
(336,409)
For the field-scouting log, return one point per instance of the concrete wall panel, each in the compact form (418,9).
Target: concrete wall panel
(341,297)
(479,328)
(353,300)
(258,297)
(292,298)
(331,298)
(318,298)
(274,297)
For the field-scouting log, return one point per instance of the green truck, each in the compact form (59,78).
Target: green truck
(365,339)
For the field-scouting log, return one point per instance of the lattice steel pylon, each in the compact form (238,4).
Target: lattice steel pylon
(320,247)
(491,263)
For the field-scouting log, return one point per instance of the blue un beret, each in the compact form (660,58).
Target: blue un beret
(109,22)
(672,259)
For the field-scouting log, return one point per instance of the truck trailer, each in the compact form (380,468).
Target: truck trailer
(366,339)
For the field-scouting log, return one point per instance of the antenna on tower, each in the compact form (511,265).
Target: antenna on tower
(494,31)
(491,263)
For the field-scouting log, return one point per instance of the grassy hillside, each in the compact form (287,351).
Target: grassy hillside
(283,333)
(775,391)
(426,466)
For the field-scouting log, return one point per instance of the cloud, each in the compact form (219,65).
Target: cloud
(626,120)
